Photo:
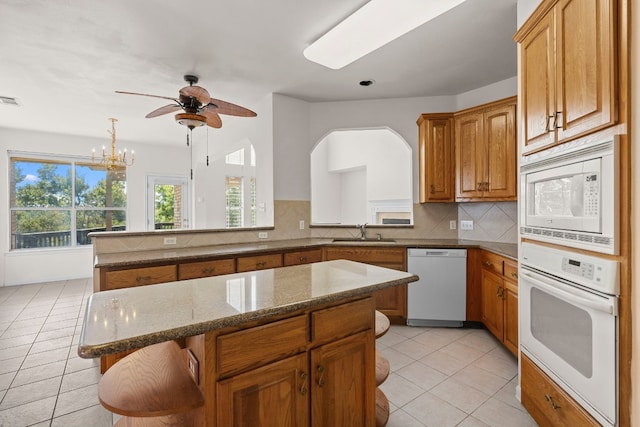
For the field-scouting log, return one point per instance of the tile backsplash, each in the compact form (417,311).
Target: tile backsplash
(494,222)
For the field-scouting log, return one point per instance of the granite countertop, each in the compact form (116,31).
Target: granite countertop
(132,318)
(133,258)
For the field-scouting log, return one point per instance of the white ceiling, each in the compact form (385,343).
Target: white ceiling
(64,59)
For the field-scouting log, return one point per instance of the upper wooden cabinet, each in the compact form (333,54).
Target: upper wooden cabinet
(435,148)
(485,149)
(568,82)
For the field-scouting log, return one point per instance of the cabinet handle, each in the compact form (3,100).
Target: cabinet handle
(303,258)
(500,292)
(260,264)
(514,274)
(555,121)
(486,186)
(141,278)
(487,264)
(303,388)
(433,189)
(208,270)
(551,402)
(547,126)
(320,369)
(480,186)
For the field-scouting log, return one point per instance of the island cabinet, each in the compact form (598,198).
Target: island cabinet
(312,369)
(485,149)
(435,151)
(391,301)
(499,290)
(568,84)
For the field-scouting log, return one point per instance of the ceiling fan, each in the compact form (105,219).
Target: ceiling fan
(198,106)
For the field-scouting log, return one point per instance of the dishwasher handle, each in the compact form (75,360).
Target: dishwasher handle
(419,252)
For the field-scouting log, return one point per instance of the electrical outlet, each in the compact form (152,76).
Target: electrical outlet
(452,224)
(170,241)
(263,235)
(302,224)
(192,364)
(466,225)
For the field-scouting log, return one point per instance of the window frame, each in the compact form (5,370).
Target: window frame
(73,209)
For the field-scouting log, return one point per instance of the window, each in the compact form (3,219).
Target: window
(167,202)
(233,186)
(56,202)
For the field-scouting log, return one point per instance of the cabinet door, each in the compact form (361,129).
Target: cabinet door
(343,390)
(538,85)
(500,142)
(492,305)
(258,262)
(436,159)
(470,155)
(194,270)
(585,66)
(303,257)
(275,395)
(511,316)
(139,277)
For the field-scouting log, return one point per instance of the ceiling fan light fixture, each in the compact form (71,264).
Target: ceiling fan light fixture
(372,26)
(191,120)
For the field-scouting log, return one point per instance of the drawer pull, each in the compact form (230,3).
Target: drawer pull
(303,388)
(142,278)
(260,264)
(500,292)
(303,259)
(320,369)
(208,270)
(514,274)
(487,264)
(547,127)
(549,399)
(433,188)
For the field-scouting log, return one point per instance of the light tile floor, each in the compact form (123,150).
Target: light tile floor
(439,377)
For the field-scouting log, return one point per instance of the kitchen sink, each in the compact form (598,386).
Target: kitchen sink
(355,240)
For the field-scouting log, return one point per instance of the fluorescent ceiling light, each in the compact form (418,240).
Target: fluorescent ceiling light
(372,26)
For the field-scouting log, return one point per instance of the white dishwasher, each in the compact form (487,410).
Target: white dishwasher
(439,298)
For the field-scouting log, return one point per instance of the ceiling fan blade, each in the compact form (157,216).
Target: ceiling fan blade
(164,110)
(197,92)
(213,119)
(144,94)
(224,107)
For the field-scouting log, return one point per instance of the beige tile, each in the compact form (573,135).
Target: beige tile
(17,341)
(435,340)
(399,390)
(11,365)
(433,411)
(400,418)
(56,333)
(480,339)
(413,349)
(13,352)
(80,379)
(504,368)
(396,359)
(507,394)
(443,362)
(75,400)
(32,392)
(480,379)
(94,416)
(52,344)
(462,352)
(391,338)
(422,375)
(75,363)
(460,395)
(28,414)
(45,357)
(58,324)
(5,380)
(498,414)
(408,331)
(471,421)
(39,373)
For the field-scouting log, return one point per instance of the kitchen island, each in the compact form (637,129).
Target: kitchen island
(284,346)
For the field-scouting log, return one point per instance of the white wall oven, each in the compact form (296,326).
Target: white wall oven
(569,324)
(571,196)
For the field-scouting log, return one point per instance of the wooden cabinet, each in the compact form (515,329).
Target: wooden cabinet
(321,373)
(139,276)
(568,65)
(392,301)
(305,256)
(485,148)
(499,289)
(258,262)
(435,151)
(194,270)
(547,403)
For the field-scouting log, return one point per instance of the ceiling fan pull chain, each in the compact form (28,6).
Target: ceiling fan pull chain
(190,133)
(207,146)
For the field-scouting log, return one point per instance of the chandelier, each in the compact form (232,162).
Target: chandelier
(115,160)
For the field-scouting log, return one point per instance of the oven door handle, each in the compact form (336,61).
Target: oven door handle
(552,287)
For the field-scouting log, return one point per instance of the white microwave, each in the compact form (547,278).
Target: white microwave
(572,197)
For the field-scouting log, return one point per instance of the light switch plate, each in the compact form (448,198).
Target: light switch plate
(170,241)
(192,364)
(452,224)
(263,235)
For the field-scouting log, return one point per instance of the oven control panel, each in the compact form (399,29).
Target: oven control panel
(580,268)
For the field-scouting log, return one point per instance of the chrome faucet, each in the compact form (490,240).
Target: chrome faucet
(363,231)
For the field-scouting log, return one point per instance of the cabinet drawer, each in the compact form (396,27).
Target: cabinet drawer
(259,262)
(303,257)
(492,262)
(547,403)
(254,347)
(370,255)
(343,320)
(140,276)
(194,270)
(511,270)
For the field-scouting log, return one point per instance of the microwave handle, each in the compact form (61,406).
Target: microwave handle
(576,202)
(551,287)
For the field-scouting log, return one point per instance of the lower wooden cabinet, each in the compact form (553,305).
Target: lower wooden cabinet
(547,403)
(328,382)
(131,277)
(499,290)
(305,256)
(258,262)
(393,301)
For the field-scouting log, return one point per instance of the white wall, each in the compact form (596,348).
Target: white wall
(29,266)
